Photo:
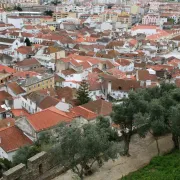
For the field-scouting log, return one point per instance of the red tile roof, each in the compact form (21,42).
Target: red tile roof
(7,69)
(7,122)
(85,113)
(15,88)
(123,62)
(4,95)
(48,102)
(24,49)
(100,107)
(48,118)
(23,74)
(19,112)
(117,73)
(12,139)
(28,62)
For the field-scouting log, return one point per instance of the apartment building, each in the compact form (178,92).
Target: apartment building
(61,15)
(38,82)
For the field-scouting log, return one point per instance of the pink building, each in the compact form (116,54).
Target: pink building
(151,19)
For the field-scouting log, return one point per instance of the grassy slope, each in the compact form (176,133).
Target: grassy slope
(160,168)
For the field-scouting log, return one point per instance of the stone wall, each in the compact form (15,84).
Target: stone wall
(39,167)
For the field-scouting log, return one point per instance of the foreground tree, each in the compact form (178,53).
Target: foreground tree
(174,124)
(79,149)
(24,153)
(123,115)
(27,41)
(5,164)
(83,93)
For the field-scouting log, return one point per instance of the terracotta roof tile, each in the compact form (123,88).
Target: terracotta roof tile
(4,95)
(19,112)
(15,88)
(85,113)
(25,50)
(48,118)
(27,62)
(99,107)
(48,102)
(8,122)
(24,74)
(144,75)
(6,69)
(12,139)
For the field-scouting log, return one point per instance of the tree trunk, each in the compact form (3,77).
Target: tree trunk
(81,177)
(157,145)
(175,139)
(127,138)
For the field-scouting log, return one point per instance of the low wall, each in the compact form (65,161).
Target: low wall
(39,167)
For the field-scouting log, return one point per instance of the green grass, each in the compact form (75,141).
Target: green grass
(160,168)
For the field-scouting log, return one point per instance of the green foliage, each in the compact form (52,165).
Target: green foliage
(83,93)
(48,13)
(5,164)
(27,41)
(153,110)
(123,115)
(24,153)
(18,8)
(79,148)
(171,20)
(56,2)
(160,168)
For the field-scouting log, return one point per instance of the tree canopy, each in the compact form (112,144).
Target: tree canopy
(28,42)
(153,110)
(80,148)
(83,93)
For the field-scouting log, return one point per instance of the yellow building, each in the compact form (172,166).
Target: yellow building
(52,28)
(60,15)
(55,52)
(109,16)
(124,18)
(38,82)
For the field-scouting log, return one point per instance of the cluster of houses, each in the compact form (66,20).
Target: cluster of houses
(43,61)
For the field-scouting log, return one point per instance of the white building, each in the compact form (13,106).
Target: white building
(97,9)
(144,29)
(11,139)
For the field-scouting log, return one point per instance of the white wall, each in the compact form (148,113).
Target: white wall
(70,84)
(3,154)
(18,22)
(28,105)
(118,94)
(128,68)
(63,106)
(144,31)
(106,26)
(94,94)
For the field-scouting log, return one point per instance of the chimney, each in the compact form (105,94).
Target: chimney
(109,87)
(27,76)
(8,124)
(48,92)
(0,140)
(63,100)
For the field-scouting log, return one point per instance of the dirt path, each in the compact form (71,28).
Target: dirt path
(141,152)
